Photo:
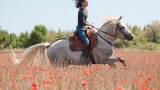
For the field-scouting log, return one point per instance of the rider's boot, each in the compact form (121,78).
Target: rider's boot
(86,52)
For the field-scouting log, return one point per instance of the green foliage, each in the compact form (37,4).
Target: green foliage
(4,39)
(119,44)
(60,34)
(13,40)
(38,35)
(153,32)
(146,46)
(23,40)
(63,34)
(51,36)
(137,45)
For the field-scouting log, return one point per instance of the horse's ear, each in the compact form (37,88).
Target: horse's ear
(120,17)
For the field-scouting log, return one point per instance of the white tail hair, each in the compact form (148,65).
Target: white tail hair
(30,53)
(13,56)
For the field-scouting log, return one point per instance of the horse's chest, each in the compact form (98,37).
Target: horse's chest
(102,54)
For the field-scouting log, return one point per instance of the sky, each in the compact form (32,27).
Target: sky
(18,16)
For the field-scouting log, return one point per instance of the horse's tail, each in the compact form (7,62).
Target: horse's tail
(30,54)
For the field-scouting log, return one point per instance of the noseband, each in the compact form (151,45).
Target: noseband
(118,28)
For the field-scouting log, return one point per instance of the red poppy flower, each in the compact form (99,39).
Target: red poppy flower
(84,83)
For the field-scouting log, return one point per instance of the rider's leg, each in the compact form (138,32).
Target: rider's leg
(86,52)
(81,33)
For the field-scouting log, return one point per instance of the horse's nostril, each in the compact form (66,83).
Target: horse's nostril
(132,36)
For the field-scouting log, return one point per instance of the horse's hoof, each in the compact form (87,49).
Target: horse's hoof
(123,62)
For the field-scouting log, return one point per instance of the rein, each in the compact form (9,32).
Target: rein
(108,34)
(104,32)
(103,37)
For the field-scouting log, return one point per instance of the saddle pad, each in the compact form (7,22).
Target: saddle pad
(75,44)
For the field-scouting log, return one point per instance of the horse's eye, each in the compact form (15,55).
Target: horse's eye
(123,27)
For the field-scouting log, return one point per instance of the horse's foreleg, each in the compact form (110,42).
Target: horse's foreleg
(111,61)
(122,61)
(113,65)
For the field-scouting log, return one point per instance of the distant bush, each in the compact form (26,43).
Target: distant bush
(147,46)
(137,45)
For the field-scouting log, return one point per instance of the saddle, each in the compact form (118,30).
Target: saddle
(76,44)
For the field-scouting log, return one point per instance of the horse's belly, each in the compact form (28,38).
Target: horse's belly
(60,51)
(101,55)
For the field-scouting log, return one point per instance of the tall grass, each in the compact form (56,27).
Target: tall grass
(141,73)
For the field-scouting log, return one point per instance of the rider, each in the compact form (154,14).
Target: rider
(82,23)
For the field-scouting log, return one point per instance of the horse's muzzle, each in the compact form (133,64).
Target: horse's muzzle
(130,37)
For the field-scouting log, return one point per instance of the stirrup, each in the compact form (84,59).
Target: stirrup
(87,62)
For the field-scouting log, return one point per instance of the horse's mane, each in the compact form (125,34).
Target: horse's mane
(110,19)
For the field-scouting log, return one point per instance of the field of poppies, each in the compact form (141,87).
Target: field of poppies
(142,73)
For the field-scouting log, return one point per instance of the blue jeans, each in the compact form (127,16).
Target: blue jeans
(82,34)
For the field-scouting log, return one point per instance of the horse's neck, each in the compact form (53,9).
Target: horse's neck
(103,46)
(108,29)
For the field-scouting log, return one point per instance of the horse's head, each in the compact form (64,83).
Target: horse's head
(122,30)
(115,27)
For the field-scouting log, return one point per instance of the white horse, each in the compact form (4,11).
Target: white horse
(59,51)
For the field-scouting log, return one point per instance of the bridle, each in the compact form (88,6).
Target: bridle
(118,28)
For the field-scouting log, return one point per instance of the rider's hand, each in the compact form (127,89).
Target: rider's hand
(92,25)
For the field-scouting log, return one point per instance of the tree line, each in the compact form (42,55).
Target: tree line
(39,34)
(146,38)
